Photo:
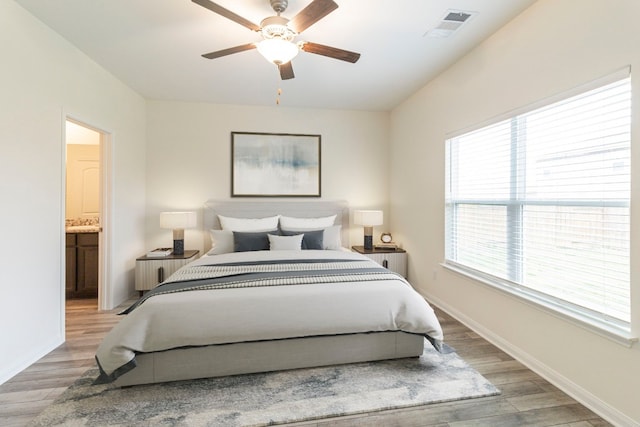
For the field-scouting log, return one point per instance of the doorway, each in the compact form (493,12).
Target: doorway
(85,216)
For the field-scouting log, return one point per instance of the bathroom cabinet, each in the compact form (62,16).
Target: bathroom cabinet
(82,265)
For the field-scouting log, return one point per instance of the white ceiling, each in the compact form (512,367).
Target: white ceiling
(154,46)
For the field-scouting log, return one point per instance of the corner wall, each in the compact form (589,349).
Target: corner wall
(552,47)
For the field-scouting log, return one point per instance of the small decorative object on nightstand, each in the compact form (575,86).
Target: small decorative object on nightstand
(152,270)
(159,252)
(393,259)
(386,242)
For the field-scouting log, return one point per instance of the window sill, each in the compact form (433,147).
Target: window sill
(613,332)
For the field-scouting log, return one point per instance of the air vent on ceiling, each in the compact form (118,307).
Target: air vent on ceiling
(450,23)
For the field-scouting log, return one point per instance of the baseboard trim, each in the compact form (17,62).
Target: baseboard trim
(578,393)
(33,357)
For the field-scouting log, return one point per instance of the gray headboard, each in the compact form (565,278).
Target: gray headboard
(261,209)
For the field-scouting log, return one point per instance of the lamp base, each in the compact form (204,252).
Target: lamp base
(368,238)
(178,247)
(368,243)
(178,241)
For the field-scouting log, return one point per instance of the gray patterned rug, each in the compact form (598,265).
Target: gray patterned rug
(271,398)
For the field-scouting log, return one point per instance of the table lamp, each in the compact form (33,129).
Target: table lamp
(178,221)
(368,219)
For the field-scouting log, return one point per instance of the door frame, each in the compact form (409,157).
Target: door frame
(105,292)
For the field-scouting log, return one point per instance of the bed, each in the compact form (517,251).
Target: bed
(234,312)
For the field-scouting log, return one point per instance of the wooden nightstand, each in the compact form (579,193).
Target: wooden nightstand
(394,260)
(152,270)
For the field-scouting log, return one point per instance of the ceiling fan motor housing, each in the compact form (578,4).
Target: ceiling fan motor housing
(279,5)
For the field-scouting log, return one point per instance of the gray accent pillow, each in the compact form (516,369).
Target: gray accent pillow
(312,239)
(332,238)
(244,241)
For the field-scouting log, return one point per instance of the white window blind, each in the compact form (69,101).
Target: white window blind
(540,202)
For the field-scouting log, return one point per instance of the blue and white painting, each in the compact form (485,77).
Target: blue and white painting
(275,165)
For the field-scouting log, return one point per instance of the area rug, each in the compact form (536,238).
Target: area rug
(271,398)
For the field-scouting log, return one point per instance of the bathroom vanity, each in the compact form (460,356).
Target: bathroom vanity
(81,264)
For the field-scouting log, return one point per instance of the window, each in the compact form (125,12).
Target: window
(539,204)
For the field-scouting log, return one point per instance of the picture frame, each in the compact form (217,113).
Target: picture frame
(275,165)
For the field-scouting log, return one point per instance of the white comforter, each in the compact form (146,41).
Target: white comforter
(205,317)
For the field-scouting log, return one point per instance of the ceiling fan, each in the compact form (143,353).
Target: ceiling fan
(278,33)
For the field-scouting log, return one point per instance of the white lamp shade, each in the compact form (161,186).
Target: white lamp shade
(175,220)
(277,50)
(367,218)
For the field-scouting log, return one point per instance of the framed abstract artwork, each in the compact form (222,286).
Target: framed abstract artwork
(275,165)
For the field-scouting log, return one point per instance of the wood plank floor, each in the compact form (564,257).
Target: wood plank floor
(526,399)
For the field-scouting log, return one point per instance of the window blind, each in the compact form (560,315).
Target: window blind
(540,201)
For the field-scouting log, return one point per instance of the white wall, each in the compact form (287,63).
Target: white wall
(43,78)
(550,48)
(189,156)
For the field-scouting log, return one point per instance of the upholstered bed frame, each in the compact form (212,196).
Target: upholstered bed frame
(263,356)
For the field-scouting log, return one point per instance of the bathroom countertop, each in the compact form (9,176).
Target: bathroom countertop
(82,229)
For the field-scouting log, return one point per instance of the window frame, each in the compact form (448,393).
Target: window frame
(614,329)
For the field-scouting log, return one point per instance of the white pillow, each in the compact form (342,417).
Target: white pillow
(285,243)
(248,224)
(291,223)
(221,242)
(331,239)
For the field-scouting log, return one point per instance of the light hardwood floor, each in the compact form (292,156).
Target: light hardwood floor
(526,399)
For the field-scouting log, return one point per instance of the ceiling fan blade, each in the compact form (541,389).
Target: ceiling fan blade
(286,71)
(315,11)
(227,14)
(331,52)
(229,51)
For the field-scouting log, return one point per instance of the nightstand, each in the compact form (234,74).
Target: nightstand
(152,270)
(394,260)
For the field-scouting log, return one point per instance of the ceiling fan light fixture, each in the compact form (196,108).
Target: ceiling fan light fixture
(277,50)
(279,33)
